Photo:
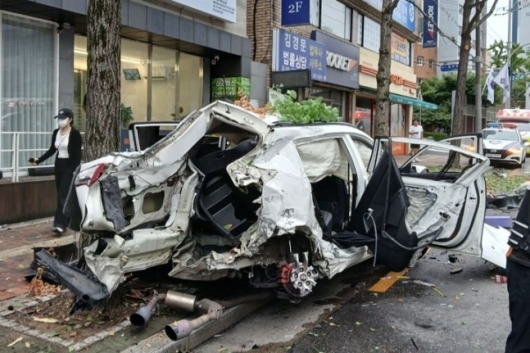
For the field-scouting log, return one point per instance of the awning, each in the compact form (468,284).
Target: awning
(412,101)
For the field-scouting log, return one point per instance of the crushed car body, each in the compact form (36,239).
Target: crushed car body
(227,194)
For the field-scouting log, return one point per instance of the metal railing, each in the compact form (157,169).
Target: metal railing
(14,153)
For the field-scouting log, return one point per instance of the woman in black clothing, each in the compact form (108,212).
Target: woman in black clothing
(66,143)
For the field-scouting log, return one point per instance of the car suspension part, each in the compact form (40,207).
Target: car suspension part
(297,278)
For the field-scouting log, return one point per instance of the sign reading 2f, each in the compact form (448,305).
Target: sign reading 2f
(296,12)
(296,7)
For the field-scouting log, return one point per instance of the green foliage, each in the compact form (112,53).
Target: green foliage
(436,136)
(517,96)
(501,184)
(438,90)
(305,112)
(126,115)
(519,57)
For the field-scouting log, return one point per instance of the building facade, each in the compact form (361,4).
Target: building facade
(341,61)
(520,23)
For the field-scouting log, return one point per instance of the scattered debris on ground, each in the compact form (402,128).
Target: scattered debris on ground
(52,316)
(456,270)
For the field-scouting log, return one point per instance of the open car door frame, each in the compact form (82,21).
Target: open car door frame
(454,202)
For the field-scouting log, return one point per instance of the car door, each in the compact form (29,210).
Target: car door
(446,189)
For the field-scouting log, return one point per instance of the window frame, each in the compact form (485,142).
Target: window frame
(347,32)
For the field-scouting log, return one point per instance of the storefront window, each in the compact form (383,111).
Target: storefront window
(80,81)
(174,89)
(28,79)
(164,85)
(397,119)
(134,70)
(363,114)
(331,97)
(191,83)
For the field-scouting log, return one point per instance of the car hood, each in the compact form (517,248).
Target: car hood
(500,144)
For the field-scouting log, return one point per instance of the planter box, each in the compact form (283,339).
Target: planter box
(27,200)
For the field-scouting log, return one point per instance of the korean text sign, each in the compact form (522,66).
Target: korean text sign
(294,52)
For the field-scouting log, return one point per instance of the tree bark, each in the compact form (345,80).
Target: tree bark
(103,97)
(469,24)
(458,126)
(382,109)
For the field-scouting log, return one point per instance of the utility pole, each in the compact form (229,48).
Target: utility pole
(478,75)
(507,104)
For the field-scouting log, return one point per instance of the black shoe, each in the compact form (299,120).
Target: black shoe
(58,230)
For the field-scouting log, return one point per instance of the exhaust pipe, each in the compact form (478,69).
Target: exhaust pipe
(213,310)
(143,315)
(183,328)
(172,299)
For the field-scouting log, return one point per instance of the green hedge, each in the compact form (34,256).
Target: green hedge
(437,136)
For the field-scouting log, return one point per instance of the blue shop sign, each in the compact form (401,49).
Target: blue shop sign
(342,60)
(293,52)
(449,67)
(296,12)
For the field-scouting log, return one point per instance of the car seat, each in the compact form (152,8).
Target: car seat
(229,210)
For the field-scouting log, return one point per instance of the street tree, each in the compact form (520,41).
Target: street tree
(103,91)
(472,18)
(382,109)
(519,56)
(103,97)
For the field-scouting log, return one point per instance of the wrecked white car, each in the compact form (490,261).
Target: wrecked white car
(227,194)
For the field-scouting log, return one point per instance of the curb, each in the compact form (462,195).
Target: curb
(33,222)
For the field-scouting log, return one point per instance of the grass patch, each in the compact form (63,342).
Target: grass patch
(497,183)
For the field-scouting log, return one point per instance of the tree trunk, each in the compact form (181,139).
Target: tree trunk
(103,97)
(458,125)
(382,109)
(472,17)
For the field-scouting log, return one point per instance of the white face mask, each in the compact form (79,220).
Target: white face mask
(62,123)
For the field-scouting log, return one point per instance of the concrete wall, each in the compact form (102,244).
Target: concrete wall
(258,83)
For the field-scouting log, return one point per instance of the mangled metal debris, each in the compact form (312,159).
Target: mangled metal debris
(280,206)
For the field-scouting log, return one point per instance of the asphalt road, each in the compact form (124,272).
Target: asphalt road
(466,312)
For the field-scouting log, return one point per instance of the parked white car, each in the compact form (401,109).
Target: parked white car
(504,145)
(227,194)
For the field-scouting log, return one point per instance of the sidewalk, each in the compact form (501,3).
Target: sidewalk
(16,243)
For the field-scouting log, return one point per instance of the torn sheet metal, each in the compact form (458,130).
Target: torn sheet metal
(286,197)
(495,245)
(110,258)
